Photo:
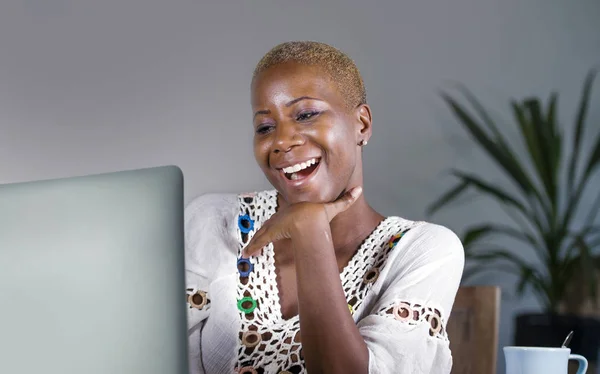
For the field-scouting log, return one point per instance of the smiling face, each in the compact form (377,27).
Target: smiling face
(306,137)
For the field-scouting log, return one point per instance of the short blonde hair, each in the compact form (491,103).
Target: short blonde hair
(334,62)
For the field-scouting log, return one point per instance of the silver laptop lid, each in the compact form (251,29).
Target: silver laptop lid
(92,275)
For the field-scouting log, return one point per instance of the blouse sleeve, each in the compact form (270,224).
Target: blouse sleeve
(405,331)
(203,232)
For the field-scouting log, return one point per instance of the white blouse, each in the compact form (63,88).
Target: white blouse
(400,287)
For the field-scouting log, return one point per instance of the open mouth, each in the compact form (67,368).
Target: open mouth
(301,170)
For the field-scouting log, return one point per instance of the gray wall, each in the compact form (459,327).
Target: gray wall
(96,86)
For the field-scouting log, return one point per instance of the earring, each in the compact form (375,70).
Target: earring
(362,143)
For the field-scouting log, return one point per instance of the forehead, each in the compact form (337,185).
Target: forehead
(287,81)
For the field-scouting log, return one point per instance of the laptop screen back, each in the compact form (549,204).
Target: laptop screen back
(92,275)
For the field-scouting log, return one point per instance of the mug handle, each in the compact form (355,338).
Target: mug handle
(583,364)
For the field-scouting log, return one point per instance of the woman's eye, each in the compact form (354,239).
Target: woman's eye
(306,115)
(263,129)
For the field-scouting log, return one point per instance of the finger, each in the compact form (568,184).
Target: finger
(258,241)
(343,203)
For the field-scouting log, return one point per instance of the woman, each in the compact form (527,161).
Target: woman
(308,277)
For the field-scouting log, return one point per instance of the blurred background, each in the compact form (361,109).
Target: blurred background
(97,86)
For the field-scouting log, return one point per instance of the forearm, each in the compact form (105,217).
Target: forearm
(330,339)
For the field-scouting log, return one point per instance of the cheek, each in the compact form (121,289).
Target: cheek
(340,147)
(261,152)
(257,150)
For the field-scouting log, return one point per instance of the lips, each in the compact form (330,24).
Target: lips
(298,173)
(300,166)
(301,169)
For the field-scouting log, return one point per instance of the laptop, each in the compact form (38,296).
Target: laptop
(92,275)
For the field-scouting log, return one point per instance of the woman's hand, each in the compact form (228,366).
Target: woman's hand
(291,220)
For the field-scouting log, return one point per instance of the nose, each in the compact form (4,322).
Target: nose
(286,138)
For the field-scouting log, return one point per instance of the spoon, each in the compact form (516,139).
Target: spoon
(565,344)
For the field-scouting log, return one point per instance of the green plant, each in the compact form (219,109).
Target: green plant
(545,201)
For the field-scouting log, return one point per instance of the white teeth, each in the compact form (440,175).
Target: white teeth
(296,168)
(294,176)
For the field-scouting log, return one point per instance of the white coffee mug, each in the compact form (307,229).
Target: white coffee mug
(538,360)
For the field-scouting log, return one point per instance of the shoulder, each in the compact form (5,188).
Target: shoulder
(425,267)
(207,219)
(215,203)
(211,229)
(428,244)
(208,214)
(431,237)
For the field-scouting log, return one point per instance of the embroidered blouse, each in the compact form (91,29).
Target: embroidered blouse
(400,287)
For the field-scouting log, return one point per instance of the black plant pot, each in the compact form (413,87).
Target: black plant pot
(550,330)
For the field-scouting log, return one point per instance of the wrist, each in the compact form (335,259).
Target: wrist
(313,244)
(309,227)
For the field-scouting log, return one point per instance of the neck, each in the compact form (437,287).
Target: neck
(352,226)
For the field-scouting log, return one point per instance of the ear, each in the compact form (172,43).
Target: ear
(363,123)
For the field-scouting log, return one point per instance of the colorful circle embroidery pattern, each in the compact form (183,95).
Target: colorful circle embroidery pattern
(198,299)
(251,338)
(247,370)
(244,263)
(403,312)
(245,223)
(371,276)
(244,300)
(436,324)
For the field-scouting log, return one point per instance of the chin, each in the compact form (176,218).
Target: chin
(311,196)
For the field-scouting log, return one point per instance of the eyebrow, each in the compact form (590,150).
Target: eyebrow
(288,104)
(266,111)
(300,99)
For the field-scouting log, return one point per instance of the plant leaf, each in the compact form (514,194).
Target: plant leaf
(586,234)
(558,136)
(574,189)
(594,159)
(474,233)
(594,243)
(579,129)
(501,254)
(447,197)
(573,203)
(470,273)
(487,119)
(545,135)
(527,274)
(530,137)
(495,192)
(488,144)
(593,212)
(587,266)
(531,276)
(480,231)
(498,151)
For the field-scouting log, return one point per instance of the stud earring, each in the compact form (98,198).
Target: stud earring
(362,143)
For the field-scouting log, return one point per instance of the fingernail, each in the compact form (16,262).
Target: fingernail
(356,192)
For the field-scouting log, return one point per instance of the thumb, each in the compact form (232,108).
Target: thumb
(343,203)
